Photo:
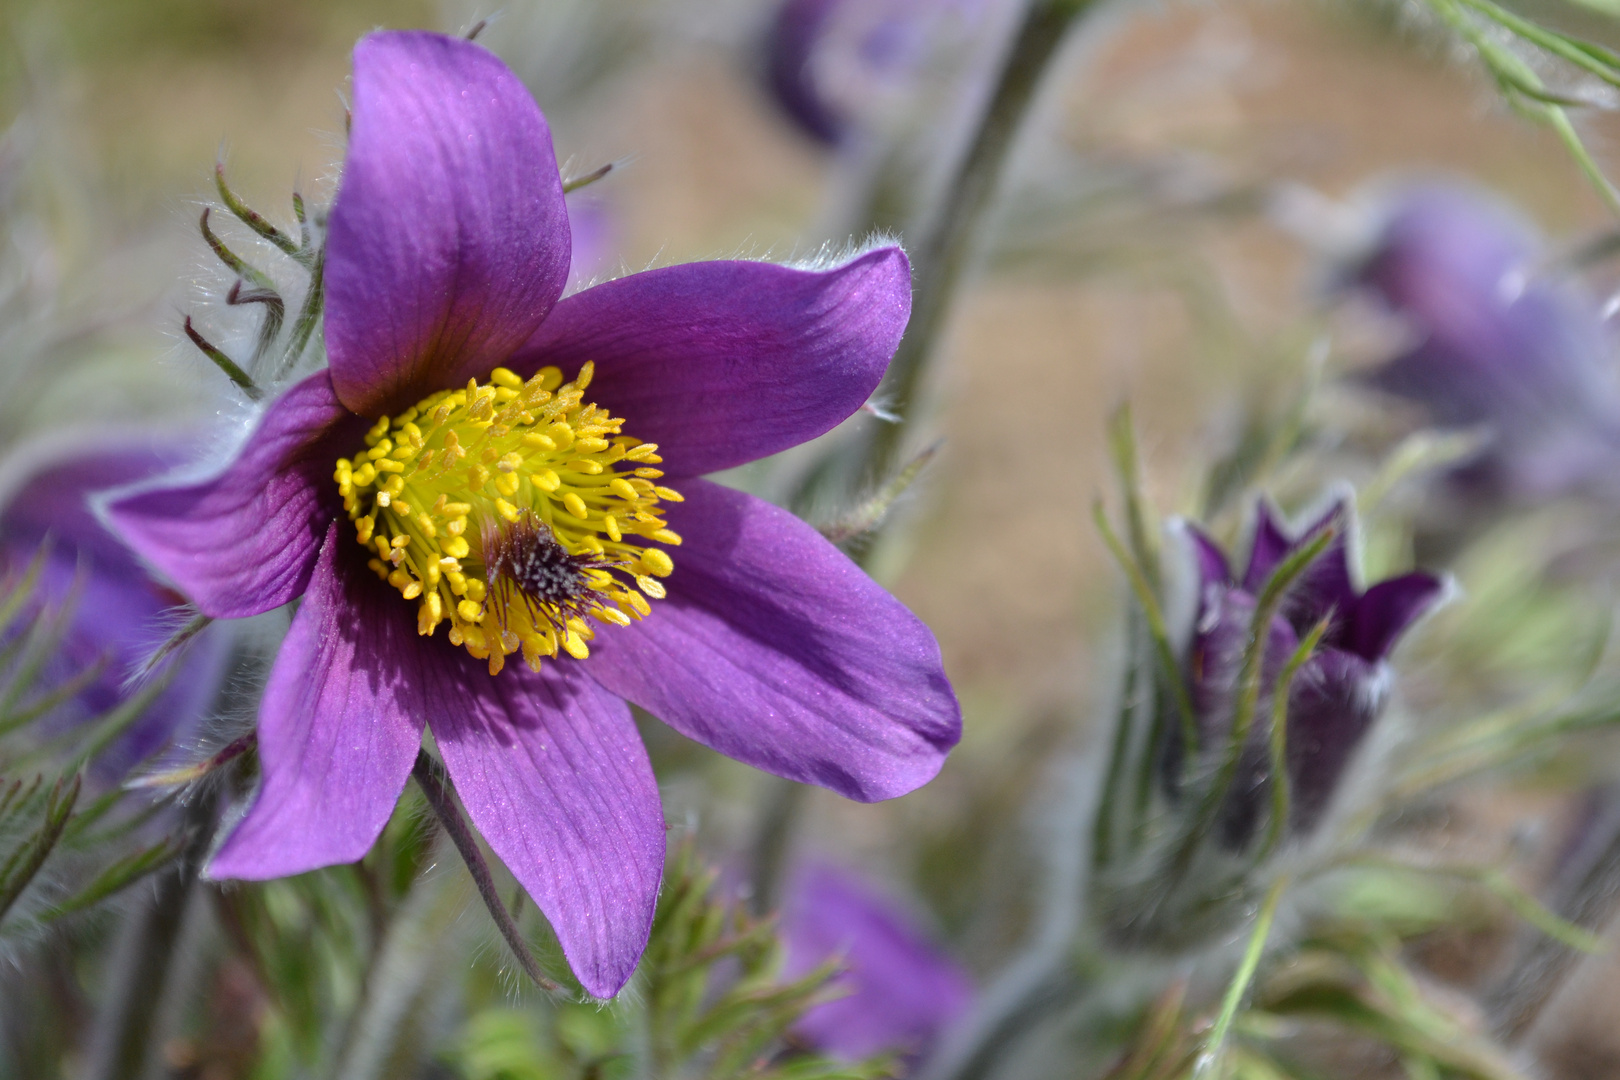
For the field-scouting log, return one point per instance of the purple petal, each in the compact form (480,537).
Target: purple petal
(246,541)
(339,726)
(1325,586)
(1333,702)
(554,775)
(1381,616)
(777,650)
(902,992)
(720,363)
(1271,544)
(1211,560)
(449,239)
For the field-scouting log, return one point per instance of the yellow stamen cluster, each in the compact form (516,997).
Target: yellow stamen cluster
(527,462)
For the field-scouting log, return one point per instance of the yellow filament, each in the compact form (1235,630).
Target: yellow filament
(485,455)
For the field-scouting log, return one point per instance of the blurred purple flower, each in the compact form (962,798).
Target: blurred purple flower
(1335,696)
(515,511)
(901,991)
(829,62)
(1500,345)
(118,617)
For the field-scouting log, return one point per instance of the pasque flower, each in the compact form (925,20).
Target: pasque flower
(484,472)
(901,992)
(1335,696)
(115,611)
(1500,344)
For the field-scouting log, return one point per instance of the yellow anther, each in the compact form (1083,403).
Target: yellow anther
(465,455)
(667,536)
(669,494)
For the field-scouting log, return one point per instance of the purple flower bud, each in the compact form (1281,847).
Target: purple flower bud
(117,619)
(1499,345)
(902,992)
(829,63)
(1335,696)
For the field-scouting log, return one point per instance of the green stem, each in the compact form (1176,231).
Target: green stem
(1280,792)
(942,254)
(1209,1062)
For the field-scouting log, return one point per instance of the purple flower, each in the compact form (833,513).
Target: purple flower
(117,618)
(461,485)
(1499,345)
(1335,696)
(901,992)
(830,61)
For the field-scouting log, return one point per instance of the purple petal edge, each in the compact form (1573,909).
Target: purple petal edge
(713,360)
(245,541)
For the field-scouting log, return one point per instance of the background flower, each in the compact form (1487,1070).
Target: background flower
(900,991)
(1501,342)
(1335,696)
(119,614)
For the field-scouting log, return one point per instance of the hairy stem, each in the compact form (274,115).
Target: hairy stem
(436,786)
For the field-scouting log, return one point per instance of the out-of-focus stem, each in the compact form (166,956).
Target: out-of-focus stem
(1542,962)
(768,856)
(123,1038)
(943,252)
(411,943)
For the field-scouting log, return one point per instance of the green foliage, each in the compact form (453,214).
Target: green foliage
(712,1003)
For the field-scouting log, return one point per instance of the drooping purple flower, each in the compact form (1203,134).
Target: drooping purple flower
(901,991)
(395,492)
(829,63)
(117,617)
(1335,696)
(1500,344)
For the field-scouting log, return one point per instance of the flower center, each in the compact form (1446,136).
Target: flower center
(516,510)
